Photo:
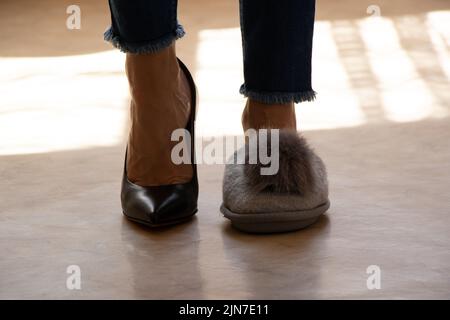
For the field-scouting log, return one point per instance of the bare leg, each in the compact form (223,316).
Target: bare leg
(160,104)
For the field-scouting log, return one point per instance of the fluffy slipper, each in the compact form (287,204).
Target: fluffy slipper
(291,199)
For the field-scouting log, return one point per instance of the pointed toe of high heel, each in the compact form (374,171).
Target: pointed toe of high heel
(159,206)
(164,205)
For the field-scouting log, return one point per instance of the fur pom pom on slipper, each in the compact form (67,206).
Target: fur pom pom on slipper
(292,198)
(294,164)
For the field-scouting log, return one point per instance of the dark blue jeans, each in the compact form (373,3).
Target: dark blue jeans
(276,38)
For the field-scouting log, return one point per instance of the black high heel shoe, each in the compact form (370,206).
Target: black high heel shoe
(167,204)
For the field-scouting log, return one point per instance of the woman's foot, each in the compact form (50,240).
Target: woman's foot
(164,204)
(160,104)
(290,199)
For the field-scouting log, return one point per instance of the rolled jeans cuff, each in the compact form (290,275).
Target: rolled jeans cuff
(278,97)
(143,47)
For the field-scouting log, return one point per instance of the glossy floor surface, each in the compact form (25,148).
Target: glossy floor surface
(381,123)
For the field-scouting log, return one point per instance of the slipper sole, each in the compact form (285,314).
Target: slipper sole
(274,222)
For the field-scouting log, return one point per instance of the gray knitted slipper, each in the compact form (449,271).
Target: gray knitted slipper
(292,199)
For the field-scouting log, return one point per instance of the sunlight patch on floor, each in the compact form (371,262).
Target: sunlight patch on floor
(62,103)
(371,70)
(365,71)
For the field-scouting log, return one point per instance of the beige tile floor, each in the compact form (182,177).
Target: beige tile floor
(381,123)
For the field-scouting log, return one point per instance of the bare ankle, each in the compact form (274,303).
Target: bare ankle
(161,103)
(257,115)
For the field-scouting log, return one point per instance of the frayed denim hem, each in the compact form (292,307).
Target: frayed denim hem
(278,97)
(143,47)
